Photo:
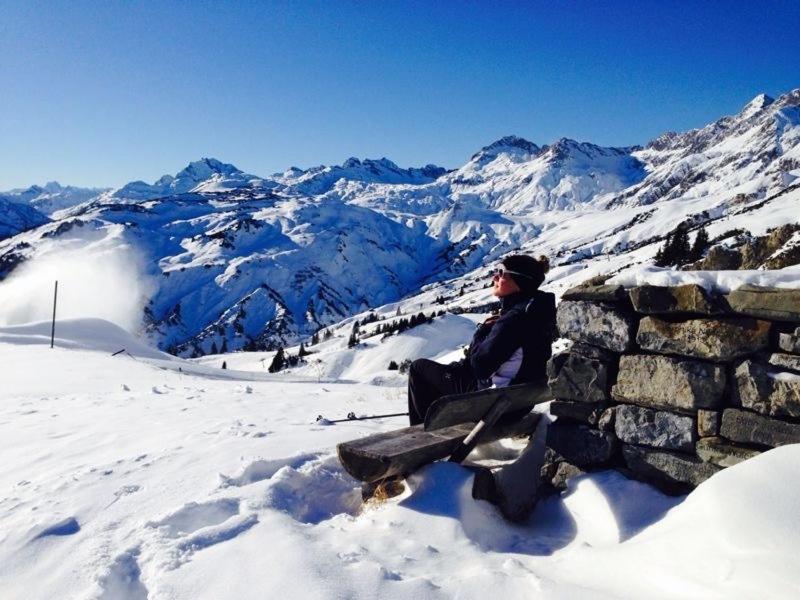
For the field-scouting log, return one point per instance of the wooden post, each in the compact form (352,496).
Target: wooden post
(53,328)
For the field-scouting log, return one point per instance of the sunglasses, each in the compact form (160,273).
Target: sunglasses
(500,272)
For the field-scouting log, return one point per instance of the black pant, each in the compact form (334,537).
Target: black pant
(428,381)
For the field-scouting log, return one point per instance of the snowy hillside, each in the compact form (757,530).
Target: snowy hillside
(142,475)
(237,261)
(16,217)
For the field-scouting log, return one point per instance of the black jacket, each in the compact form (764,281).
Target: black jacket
(526,322)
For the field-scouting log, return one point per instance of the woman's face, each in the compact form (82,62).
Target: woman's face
(503,284)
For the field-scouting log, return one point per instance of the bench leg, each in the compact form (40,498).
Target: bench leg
(514,488)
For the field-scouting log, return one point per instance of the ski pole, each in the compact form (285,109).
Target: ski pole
(352,417)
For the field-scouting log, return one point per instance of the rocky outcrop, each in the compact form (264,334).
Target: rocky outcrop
(774,250)
(719,340)
(669,383)
(604,325)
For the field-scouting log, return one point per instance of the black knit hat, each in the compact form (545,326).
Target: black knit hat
(527,272)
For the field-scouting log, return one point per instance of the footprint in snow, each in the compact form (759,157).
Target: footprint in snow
(196,526)
(194,516)
(262,469)
(123,579)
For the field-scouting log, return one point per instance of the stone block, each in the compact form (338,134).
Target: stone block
(708,422)
(577,411)
(574,376)
(564,471)
(789,362)
(719,340)
(659,429)
(766,391)
(667,467)
(749,428)
(596,293)
(605,325)
(580,445)
(669,383)
(689,298)
(790,342)
(768,303)
(607,419)
(718,451)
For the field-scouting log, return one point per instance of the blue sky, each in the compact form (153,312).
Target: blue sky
(101,93)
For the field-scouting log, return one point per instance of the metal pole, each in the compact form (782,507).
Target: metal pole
(53,328)
(352,417)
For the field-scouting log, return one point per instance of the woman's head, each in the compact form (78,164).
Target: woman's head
(520,273)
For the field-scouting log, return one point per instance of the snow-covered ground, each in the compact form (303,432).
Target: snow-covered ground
(145,476)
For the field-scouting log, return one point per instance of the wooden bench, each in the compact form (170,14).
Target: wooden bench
(453,426)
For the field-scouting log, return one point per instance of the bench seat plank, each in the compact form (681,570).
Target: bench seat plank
(402,451)
(471,407)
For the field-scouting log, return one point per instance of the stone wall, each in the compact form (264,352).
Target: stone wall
(672,384)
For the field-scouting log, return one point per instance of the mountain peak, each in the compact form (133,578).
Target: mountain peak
(510,144)
(202,169)
(756,105)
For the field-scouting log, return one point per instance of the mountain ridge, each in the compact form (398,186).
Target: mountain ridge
(257,262)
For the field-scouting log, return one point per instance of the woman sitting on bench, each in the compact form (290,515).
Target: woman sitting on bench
(510,348)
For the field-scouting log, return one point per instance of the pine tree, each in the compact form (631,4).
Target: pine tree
(393,366)
(314,339)
(352,340)
(302,352)
(680,245)
(700,244)
(664,254)
(224,348)
(214,349)
(278,361)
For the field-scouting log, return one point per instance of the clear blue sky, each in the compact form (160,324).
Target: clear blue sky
(101,93)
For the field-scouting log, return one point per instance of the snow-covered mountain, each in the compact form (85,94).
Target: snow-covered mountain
(318,180)
(51,197)
(754,153)
(16,217)
(204,175)
(250,262)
